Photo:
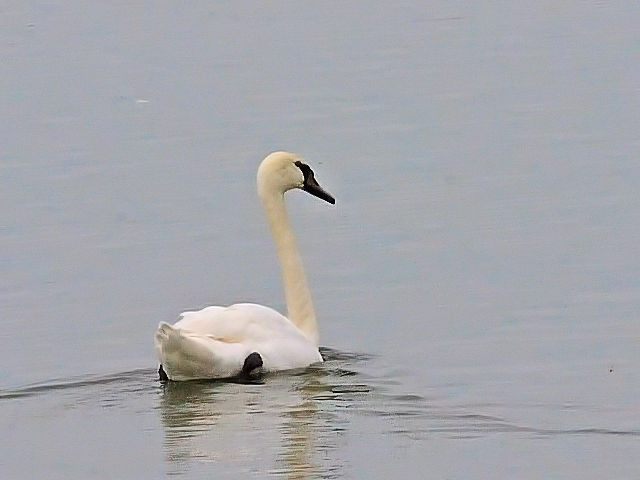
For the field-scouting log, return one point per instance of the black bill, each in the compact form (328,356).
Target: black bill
(311,185)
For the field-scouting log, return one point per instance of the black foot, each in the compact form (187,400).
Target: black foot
(253,361)
(162,374)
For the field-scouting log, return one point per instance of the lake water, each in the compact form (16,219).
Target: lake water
(477,282)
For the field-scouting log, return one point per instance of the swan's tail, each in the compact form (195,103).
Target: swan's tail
(167,339)
(185,355)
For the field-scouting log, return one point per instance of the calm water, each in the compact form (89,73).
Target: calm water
(476,283)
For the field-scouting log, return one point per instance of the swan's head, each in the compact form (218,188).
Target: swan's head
(282,171)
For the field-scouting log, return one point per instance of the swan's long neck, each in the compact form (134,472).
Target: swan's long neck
(298,297)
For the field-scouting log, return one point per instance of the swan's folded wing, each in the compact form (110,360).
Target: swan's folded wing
(206,321)
(186,355)
(241,322)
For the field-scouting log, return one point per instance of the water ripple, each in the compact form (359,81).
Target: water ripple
(136,376)
(323,399)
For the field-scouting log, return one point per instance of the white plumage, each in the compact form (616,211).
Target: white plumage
(215,342)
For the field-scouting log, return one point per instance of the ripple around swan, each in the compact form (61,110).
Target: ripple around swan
(307,414)
(299,423)
(139,376)
(328,397)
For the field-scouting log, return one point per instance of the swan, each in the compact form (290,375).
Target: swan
(245,338)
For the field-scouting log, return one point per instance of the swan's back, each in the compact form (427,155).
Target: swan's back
(215,341)
(239,322)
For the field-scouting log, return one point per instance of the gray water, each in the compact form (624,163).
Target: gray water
(476,283)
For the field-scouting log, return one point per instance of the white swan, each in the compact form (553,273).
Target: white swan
(222,342)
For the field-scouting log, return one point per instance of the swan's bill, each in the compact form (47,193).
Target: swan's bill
(317,191)
(311,185)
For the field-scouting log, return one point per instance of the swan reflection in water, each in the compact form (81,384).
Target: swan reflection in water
(285,424)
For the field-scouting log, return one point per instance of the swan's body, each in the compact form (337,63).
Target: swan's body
(222,342)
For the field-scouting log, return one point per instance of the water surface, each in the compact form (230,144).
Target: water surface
(476,282)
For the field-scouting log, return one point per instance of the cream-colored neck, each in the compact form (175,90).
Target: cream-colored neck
(297,295)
